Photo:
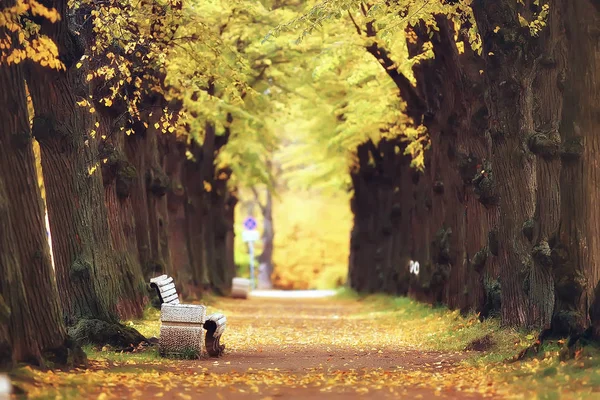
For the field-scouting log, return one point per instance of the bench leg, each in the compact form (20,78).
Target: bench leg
(212,343)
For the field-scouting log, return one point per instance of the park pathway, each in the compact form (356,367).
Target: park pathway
(297,345)
(293,347)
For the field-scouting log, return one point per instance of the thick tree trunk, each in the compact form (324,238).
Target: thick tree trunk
(577,259)
(30,316)
(81,241)
(193,179)
(118,176)
(527,186)
(456,119)
(177,199)
(136,154)
(76,210)
(148,193)
(378,251)
(210,214)
(157,186)
(223,203)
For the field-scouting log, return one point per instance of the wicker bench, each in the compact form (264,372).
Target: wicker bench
(182,325)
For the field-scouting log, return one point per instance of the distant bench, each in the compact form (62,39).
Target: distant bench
(182,325)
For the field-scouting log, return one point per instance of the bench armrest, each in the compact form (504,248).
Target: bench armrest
(215,326)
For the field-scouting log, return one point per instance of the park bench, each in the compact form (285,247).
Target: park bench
(182,325)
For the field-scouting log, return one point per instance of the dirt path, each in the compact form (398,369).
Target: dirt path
(288,348)
(314,348)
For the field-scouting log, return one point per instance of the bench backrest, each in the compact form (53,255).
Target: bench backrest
(165,288)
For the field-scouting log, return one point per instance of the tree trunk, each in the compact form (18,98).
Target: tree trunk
(527,186)
(456,119)
(194,216)
(157,186)
(577,271)
(136,154)
(148,193)
(265,259)
(31,319)
(176,207)
(82,248)
(210,214)
(218,233)
(378,250)
(118,176)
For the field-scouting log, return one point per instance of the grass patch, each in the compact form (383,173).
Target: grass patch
(555,372)
(438,328)
(149,354)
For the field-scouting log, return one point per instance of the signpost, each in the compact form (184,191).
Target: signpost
(250,235)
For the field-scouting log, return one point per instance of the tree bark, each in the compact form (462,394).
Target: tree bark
(77,213)
(194,186)
(176,206)
(219,233)
(32,327)
(118,176)
(576,257)
(210,213)
(378,250)
(148,192)
(526,185)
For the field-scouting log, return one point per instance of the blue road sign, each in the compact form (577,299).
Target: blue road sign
(250,223)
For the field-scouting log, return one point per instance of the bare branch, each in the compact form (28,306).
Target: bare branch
(358,30)
(263,209)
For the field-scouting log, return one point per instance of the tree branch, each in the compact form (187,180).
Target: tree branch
(415,106)
(263,209)
(358,30)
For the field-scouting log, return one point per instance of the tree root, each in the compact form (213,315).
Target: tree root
(97,332)
(571,349)
(70,354)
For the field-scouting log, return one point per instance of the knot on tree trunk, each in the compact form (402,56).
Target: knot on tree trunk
(80,269)
(438,187)
(485,186)
(542,254)
(441,246)
(545,145)
(116,167)
(572,149)
(492,299)
(126,174)
(528,229)
(157,181)
(467,167)
(493,243)
(45,128)
(479,260)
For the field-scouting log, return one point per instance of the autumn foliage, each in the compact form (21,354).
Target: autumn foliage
(366,136)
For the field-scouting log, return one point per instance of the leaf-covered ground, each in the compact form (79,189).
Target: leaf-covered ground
(339,348)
